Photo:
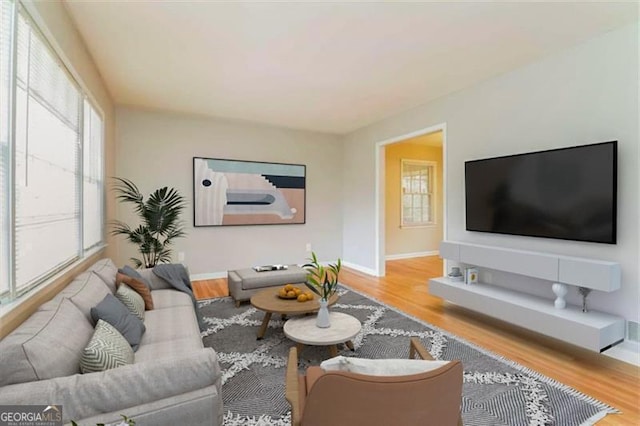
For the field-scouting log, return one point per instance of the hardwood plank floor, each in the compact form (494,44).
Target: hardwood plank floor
(406,287)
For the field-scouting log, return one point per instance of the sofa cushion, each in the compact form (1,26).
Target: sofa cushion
(381,367)
(47,345)
(86,291)
(132,300)
(171,324)
(106,270)
(168,349)
(111,310)
(107,349)
(170,298)
(138,286)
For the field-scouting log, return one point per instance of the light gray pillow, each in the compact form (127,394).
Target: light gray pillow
(132,300)
(107,349)
(381,367)
(111,310)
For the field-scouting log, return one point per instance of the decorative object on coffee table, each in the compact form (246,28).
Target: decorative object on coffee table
(322,320)
(267,300)
(160,222)
(323,281)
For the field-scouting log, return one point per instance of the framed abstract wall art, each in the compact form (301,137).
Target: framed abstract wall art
(234,192)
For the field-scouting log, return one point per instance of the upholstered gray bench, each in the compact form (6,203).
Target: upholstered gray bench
(244,283)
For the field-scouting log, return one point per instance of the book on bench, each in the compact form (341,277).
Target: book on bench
(266,268)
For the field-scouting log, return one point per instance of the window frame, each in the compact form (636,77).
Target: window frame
(14,293)
(432,168)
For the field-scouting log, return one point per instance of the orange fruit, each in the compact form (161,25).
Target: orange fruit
(288,287)
(291,294)
(309,295)
(298,291)
(282,292)
(302,298)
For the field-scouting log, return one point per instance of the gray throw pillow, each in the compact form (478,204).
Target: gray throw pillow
(107,349)
(115,313)
(129,271)
(131,299)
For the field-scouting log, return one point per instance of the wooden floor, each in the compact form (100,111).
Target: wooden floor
(406,287)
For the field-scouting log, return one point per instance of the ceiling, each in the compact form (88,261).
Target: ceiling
(330,67)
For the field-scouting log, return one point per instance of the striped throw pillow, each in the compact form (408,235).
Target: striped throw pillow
(132,300)
(107,349)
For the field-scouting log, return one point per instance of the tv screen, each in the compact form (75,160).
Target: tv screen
(567,193)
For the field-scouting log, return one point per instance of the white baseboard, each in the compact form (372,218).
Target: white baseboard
(208,276)
(411,255)
(626,351)
(360,268)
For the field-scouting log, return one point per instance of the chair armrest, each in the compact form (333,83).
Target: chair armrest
(292,387)
(416,347)
(87,395)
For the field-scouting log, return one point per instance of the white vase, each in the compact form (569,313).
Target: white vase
(322,319)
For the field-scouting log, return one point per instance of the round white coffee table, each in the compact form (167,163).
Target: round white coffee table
(304,331)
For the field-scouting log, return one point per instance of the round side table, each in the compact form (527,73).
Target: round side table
(304,331)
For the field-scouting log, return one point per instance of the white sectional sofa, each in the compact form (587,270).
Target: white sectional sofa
(173,380)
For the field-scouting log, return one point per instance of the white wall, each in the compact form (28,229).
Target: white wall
(156,149)
(584,95)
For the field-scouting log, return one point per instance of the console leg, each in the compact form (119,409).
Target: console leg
(560,290)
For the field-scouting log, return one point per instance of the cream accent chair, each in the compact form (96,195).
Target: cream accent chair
(339,398)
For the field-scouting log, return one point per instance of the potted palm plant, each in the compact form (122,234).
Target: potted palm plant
(323,281)
(159,222)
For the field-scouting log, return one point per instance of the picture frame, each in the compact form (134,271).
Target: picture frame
(471,276)
(230,192)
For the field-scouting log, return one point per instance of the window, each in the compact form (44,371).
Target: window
(418,193)
(93,184)
(51,166)
(6,18)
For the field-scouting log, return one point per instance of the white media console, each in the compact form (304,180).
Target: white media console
(592,330)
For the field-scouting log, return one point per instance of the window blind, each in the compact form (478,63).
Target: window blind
(6,30)
(47,155)
(92,196)
(51,160)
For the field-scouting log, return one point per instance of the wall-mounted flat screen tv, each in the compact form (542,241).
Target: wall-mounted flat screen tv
(567,193)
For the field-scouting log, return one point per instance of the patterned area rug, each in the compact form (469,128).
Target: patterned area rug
(496,391)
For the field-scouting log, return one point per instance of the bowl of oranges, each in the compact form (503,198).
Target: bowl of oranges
(291,292)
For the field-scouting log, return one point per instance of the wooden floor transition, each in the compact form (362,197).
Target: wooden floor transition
(406,287)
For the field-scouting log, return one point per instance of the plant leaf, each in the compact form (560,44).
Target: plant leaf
(314,289)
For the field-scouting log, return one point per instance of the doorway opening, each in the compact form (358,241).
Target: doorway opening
(410,195)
